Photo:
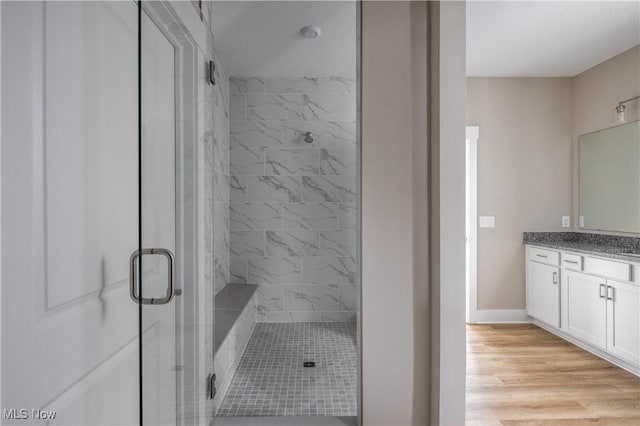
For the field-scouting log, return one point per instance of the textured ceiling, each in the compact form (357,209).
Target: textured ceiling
(504,38)
(547,38)
(262,38)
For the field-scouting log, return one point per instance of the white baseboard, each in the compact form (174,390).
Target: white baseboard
(494,316)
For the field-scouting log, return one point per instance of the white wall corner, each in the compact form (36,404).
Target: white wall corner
(447,20)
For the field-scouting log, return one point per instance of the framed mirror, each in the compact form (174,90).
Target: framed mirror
(610,179)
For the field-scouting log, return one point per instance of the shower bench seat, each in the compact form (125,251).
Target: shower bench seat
(235,318)
(230,302)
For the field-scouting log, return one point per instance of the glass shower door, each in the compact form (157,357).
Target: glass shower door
(154,263)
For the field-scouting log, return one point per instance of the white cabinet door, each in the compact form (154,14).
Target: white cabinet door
(584,308)
(623,320)
(543,293)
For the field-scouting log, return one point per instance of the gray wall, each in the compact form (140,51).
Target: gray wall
(413,233)
(528,160)
(387,229)
(524,174)
(596,92)
(292,214)
(447,204)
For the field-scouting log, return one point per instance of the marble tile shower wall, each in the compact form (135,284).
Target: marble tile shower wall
(292,211)
(218,158)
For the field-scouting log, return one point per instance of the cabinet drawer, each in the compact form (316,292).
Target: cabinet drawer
(572,261)
(608,268)
(549,257)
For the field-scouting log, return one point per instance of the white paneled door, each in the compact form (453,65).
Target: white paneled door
(87,182)
(69,212)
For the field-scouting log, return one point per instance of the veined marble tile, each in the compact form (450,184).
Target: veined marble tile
(329,270)
(208,156)
(238,107)
(293,317)
(348,298)
(273,188)
(220,157)
(292,84)
(310,85)
(337,84)
(338,316)
(329,188)
(269,298)
(247,161)
(255,216)
(347,215)
(220,245)
(220,216)
(326,134)
(328,107)
(238,270)
(292,162)
(220,187)
(275,270)
(292,243)
(218,285)
(237,188)
(310,216)
(222,272)
(338,243)
(208,223)
(271,106)
(221,361)
(338,162)
(208,183)
(208,270)
(221,95)
(221,126)
(245,85)
(255,134)
(311,298)
(246,243)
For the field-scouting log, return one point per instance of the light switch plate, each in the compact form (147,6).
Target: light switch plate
(487,222)
(566,221)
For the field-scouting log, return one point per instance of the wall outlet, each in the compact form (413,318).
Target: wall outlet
(581,221)
(487,222)
(566,221)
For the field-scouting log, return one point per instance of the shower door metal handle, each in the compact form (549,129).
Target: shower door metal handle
(133,274)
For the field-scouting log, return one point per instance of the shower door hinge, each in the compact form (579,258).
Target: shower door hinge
(211,385)
(212,73)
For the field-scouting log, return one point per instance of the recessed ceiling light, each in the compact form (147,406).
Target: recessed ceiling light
(311,31)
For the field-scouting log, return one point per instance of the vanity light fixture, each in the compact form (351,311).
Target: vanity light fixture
(620,109)
(620,113)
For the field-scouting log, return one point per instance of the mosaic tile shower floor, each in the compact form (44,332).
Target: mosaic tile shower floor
(272,381)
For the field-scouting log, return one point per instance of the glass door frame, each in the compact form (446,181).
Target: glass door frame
(187,270)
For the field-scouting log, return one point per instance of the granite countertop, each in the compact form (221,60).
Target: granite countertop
(603,245)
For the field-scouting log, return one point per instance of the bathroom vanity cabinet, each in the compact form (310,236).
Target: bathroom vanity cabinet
(543,286)
(591,301)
